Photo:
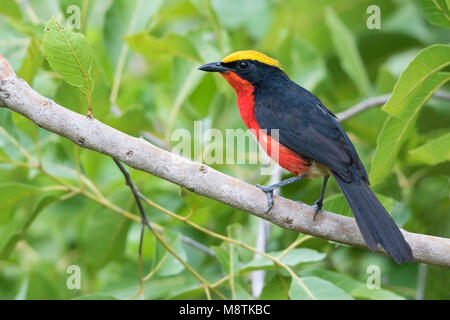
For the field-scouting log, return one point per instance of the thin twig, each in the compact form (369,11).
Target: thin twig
(363,105)
(377,101)
(135,192)
(145,221)
(198,245)
(155,140)
(141,279)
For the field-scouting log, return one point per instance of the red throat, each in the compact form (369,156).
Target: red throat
(286,158)
(245,98)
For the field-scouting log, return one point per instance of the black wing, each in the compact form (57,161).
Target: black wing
(307,127)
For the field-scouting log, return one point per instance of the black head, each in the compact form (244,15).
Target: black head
(248,65)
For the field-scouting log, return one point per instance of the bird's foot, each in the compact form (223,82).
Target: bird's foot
(317,206)
(269,193)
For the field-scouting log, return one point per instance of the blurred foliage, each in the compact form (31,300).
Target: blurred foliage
(136,63)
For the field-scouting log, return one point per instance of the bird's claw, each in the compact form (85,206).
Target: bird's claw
(317,206)
(269,193)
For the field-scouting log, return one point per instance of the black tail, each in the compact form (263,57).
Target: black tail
(375,224)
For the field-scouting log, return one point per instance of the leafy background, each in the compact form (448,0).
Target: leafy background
(135,62)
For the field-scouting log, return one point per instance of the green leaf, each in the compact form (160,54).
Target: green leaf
(437,12)
(32,61)
(169,45)
(45,282)
(10,194)
(429,61)
(9,131)
(316,288)
(292,258)
(170,265)
(395,131)
(69,54)
(13,43)
(10,8)
(399,212)
(347,51)
(103,237)
(363,292)
(26,28)
(240,288)
(22,226)
(223,255)
(126,17)
(434,151)
(353,287)
(274,290)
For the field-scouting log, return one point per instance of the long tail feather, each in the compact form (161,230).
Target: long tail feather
(374,222)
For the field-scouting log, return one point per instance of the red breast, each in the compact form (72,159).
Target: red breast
(285,157)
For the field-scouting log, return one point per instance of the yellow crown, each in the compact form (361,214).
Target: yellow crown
(251,55)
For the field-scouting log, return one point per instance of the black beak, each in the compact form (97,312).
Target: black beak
(213,67)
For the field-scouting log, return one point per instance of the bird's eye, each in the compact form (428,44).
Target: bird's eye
(243,65)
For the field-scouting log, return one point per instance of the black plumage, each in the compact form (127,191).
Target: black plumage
(307,127)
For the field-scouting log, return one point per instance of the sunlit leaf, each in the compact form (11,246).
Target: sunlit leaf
(434,151)
(10,8)
(396,130)
(419,70)
(437,12)
(69,54)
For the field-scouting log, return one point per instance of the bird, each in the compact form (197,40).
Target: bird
(296,130)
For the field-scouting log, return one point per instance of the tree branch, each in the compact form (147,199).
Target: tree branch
(92,134)
(379,100)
